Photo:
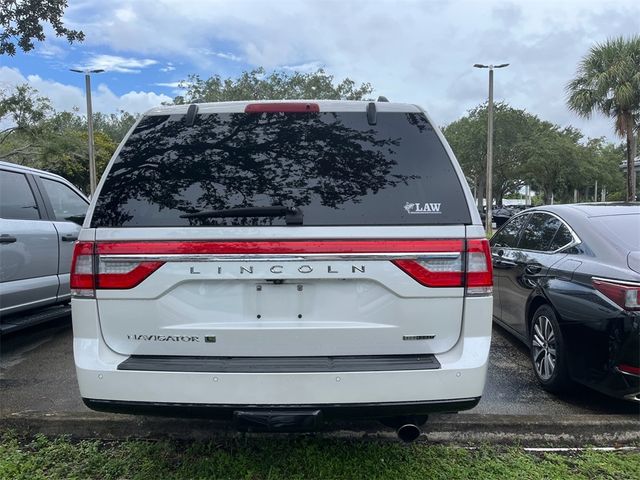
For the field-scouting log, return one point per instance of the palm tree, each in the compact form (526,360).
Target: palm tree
(608,81)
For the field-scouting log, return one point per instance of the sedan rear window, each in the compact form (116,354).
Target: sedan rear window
(335,167)
(622,229)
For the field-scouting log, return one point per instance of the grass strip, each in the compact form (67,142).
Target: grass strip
(299,457)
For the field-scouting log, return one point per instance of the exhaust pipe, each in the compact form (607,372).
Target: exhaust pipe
(408,432)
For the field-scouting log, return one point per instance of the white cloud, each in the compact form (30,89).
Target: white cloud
(308,67)
(49,49)
(114,63)
(415,51)
(10,78)
(223,55)
(125,14)
(168,84)
(69,97)
(130,102)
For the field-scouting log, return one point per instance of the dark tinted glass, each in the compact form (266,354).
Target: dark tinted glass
(623,230)
(508,235)
(16,197)
(563,237)
(65,202)
(335,166)
(539,232)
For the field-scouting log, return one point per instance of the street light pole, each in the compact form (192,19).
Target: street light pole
(92,156)
(489,172)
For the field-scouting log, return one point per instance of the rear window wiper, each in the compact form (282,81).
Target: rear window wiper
(292,215)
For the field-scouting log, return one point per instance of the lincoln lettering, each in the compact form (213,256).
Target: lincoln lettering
(247,270)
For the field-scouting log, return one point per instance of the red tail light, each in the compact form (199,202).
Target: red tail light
(433,263)
(90,271)
(479,271)
(623,294)
(290,107)
(82,280)
(278,247)
(629,369)
(470,268)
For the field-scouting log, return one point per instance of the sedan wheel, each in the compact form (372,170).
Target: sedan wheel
(544,347)
(548,350)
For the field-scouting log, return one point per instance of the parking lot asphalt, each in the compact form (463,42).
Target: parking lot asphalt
(37,376)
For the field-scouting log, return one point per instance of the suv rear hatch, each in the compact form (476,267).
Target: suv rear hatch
(282,230)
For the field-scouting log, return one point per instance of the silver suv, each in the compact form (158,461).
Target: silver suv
(40,217)
(283,263)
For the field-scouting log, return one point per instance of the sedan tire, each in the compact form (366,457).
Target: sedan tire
(548,352)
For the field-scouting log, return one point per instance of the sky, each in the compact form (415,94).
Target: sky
(410,51)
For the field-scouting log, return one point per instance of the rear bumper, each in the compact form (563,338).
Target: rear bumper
(326,411)
(619,384)
(456,385)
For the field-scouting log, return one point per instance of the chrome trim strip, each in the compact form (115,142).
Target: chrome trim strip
(575,238)
(617,282)
(292,257)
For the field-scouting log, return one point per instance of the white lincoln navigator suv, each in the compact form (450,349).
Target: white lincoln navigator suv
(282,264)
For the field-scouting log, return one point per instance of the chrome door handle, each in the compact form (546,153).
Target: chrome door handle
(6,238)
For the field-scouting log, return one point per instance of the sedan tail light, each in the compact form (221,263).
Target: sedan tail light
(624,294)
(629,369)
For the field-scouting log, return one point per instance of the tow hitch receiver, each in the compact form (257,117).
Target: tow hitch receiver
(277,420)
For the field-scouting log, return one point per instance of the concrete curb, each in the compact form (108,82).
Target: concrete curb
(461,429)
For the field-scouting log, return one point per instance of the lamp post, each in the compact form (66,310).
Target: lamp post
(92,156)
(489,174)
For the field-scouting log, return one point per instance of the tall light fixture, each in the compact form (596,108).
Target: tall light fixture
(92,156)
(489,173)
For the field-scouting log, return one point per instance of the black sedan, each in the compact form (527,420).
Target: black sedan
(567,282)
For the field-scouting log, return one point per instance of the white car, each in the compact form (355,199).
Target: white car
(283,264)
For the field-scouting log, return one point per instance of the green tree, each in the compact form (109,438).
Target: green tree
(599,163)
(114,125)
(36,136)
(467,137)
(554,156)
(22,113)
(260,85)
(64,147)
(21,22)
(608,81)
(512,131)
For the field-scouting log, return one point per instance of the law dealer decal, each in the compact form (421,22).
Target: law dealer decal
(423,208)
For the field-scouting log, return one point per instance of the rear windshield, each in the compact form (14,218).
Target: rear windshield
(623,230)
(335,167)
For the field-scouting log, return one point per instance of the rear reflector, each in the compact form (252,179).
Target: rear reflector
(291,107)
(626,295)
